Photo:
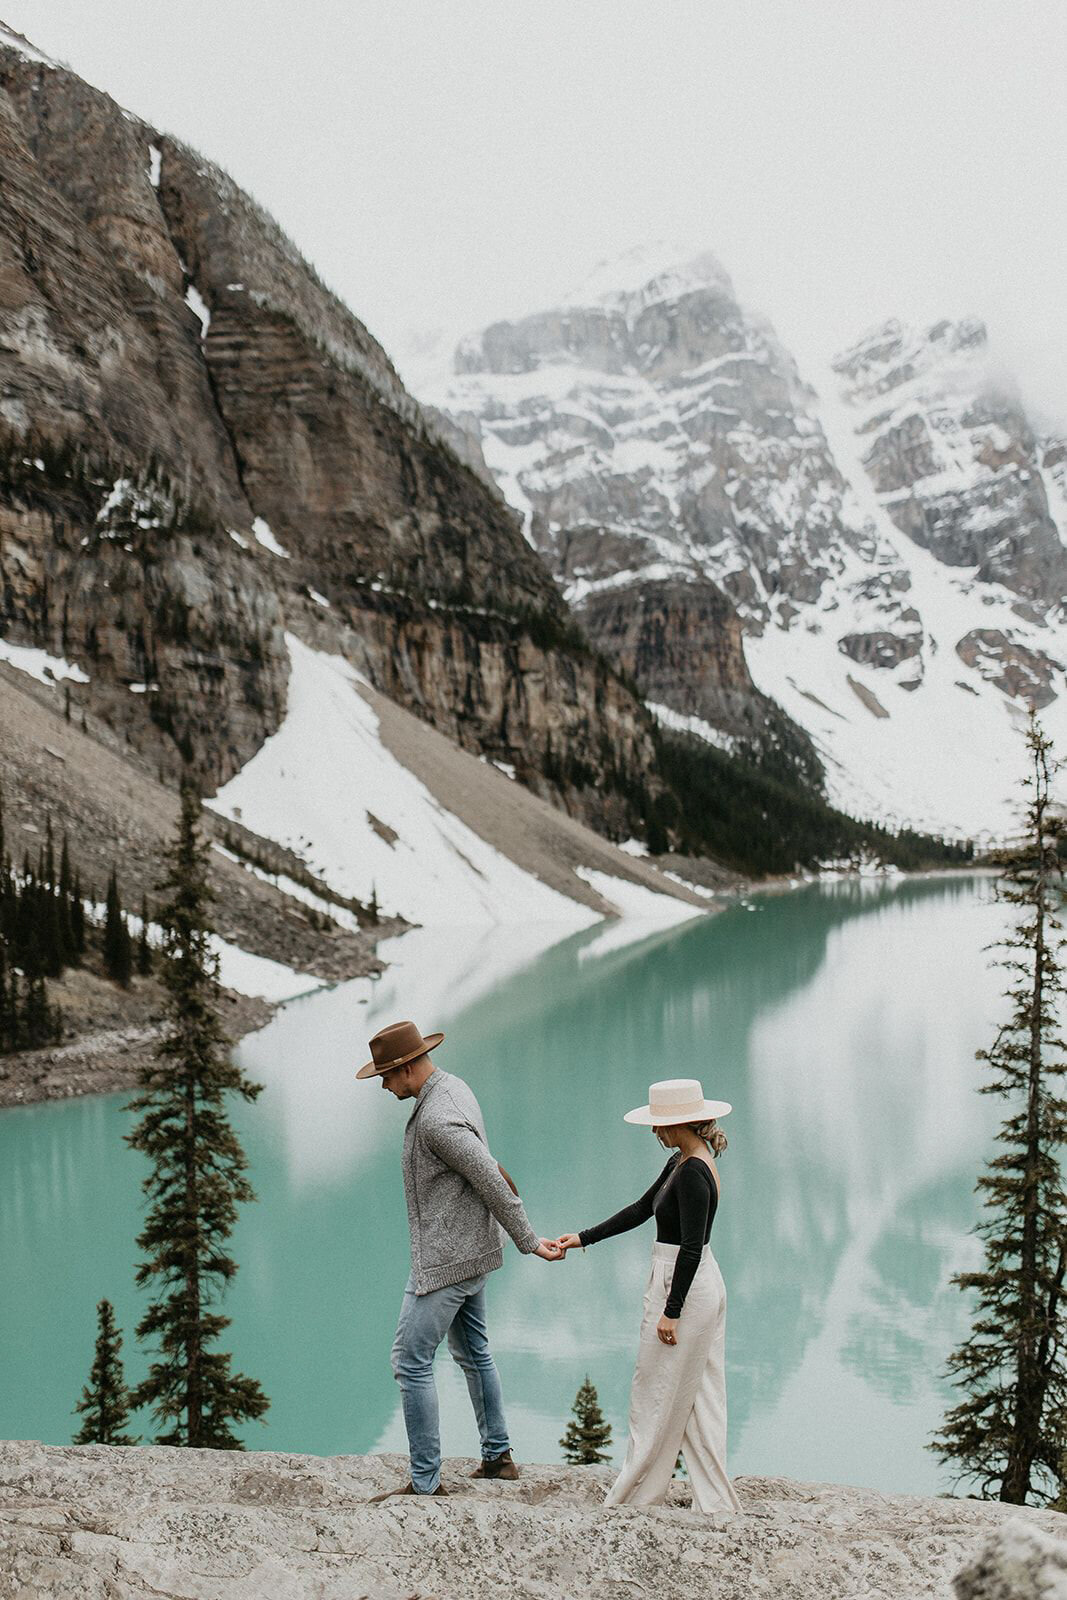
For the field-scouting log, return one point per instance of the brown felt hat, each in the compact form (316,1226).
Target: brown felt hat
(395,1046)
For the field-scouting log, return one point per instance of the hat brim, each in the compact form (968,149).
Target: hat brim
(644,1117)
(371,1069)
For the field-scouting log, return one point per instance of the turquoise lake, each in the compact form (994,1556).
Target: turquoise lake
(841,1021)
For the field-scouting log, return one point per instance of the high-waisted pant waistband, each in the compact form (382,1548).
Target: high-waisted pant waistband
(669,1252)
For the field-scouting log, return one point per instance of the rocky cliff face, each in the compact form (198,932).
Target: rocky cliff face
(949,451)
(658,442)
(201,446)
(877,549)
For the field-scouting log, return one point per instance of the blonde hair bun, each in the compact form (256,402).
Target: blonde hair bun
(711,1134)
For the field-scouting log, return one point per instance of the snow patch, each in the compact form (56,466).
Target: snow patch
(295,891)
(261,532)
(196,303)
(680,723)
(39,664)
(313,782)
(155,161)
(249,974)
(239,969)
(641,912)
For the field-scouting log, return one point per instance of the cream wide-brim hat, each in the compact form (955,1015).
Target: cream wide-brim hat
(676,1100)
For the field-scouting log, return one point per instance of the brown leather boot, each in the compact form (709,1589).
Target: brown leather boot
(500,1466)
(409,1488)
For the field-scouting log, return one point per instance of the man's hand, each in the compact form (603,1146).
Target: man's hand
(667,1330)
(549,1250)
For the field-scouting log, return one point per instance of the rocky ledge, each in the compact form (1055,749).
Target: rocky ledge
(97,1522)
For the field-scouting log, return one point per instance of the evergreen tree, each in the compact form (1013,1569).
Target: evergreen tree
(50,930)
(38,1022)
(118,952)
(77,916)
(105,1401)
(144,949)
(197,1178)
(8,1015)
(1007,1433)
(588,1436)
(69,950)
(14,1012)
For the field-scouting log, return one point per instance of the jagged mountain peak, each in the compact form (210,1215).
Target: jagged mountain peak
(881,544)
(895,352)
(11,39)
(647,273)
(622,318)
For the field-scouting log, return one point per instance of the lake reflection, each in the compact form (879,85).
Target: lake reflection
(840,1021)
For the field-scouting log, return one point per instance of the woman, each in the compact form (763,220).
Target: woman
(678,1399)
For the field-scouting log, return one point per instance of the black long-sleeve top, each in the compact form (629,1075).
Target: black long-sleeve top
(683,1201)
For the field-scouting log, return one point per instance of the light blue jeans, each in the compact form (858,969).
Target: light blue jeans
(425,1319)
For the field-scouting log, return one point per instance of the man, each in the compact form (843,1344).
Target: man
(458,1200)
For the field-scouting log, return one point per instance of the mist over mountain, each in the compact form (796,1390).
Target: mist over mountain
(876,547)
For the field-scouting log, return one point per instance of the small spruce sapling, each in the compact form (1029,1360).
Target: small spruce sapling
(105,1401)
(588,1436)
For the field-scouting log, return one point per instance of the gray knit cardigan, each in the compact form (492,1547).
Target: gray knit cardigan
(457,1201)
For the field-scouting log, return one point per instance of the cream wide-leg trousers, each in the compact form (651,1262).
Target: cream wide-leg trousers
(678,1399)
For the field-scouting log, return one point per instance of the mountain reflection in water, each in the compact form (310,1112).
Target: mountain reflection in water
(841,1021)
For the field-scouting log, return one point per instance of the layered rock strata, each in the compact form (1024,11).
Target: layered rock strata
(886,539)
(200,444)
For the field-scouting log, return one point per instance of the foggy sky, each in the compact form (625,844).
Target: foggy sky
(447,162)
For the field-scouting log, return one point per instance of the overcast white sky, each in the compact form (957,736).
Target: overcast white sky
(447,162)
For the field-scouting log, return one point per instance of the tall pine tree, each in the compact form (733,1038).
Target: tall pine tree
(589,1434)
(118,948)
(144,949)
(105,1401)
(197,1178)
(1007,1434)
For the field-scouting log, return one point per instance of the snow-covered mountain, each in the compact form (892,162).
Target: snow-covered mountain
(878,548)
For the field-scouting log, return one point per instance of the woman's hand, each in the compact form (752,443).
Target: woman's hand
(569,1241)
(667,1329)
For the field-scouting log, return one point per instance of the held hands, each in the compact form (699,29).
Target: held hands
(556,1249)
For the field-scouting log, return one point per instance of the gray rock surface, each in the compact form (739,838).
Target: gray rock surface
(208,1525)
(1018,1562)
